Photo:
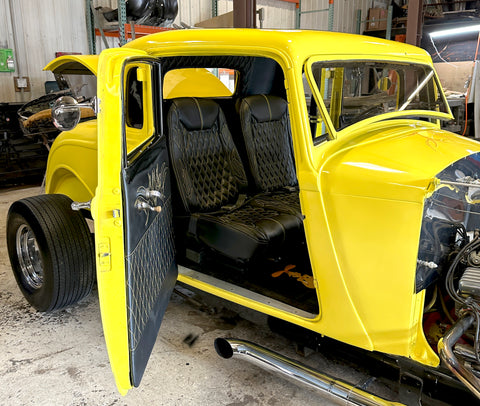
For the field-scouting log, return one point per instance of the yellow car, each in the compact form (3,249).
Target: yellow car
(300,174)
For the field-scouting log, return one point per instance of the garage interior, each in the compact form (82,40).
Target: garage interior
(60,357)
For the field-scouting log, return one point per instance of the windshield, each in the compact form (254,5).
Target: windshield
(355,90)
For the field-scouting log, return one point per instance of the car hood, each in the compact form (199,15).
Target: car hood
(398,163)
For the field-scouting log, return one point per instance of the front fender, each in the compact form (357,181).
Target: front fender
(371,191)
(72,163)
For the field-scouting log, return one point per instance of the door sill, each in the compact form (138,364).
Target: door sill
(238,294)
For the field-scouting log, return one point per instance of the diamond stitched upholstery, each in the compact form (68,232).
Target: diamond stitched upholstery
(266,132)
(209,175)
(207,166)
(145,285)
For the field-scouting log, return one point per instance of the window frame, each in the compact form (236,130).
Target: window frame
(332,133)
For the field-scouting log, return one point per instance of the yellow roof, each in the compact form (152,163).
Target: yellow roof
(297,43)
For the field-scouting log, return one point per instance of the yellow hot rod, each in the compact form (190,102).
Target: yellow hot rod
(303,175)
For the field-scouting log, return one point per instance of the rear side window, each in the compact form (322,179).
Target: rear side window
(134,100)
(199,82)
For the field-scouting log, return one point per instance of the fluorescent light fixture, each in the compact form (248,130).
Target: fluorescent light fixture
(454,31)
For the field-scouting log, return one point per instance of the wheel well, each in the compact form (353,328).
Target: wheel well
(63,181)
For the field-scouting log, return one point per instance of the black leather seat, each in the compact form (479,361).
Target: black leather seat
(211,182)
(268,142)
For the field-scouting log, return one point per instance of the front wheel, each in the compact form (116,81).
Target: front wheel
(51,251)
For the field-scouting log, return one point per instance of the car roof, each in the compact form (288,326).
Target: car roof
(298,44)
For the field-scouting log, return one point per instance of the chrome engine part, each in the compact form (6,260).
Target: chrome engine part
(469,284)
(446,350)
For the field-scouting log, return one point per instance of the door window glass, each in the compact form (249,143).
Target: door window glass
(134,100)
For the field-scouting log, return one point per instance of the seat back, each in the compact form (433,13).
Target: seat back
(267,136)
(207,166)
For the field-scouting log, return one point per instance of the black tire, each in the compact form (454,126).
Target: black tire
(170,10)
(57,268)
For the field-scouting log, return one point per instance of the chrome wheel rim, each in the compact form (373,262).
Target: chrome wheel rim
(29,257)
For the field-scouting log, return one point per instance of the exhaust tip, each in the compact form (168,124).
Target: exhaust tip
(223,348)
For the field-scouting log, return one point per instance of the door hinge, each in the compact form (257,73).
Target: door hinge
(104,256)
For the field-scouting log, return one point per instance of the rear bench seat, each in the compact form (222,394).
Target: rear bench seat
(211,182)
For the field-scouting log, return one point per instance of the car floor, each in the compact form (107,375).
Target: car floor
(60,358)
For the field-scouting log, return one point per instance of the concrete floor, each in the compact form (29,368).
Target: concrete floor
(60,358)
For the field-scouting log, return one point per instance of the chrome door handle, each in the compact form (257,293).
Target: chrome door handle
(149,193)
(145,206)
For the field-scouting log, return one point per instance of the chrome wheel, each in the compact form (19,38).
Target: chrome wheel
(29,257)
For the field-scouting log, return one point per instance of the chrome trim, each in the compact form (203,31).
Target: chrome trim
(445,349)
(29,258)
(198,278)
(330,388)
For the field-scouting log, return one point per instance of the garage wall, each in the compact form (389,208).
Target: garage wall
(6,41)
(278,14)
(39,30)
(345,15)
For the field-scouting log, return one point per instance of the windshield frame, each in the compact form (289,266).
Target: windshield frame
(332,133)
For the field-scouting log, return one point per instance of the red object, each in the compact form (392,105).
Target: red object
(57,54)
(140,31)
(401,37)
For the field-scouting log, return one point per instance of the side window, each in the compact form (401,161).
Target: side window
(134,100)
(199,82)
(138,105)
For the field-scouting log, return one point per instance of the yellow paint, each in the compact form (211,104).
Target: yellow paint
(78,64)
(363,257)
(72,167)
(193,82)
(107,212)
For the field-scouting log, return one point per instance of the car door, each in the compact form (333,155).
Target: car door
(136,270)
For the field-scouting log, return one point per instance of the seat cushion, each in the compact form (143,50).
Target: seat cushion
(285,200)
(247,232)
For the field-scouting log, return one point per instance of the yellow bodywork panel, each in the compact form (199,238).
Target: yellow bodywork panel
(361,266)
(193,82)
(350,186)
(108,213)
(74,64)
(78,147)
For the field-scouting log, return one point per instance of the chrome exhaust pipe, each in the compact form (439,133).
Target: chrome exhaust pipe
(445,349)
(330,388)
